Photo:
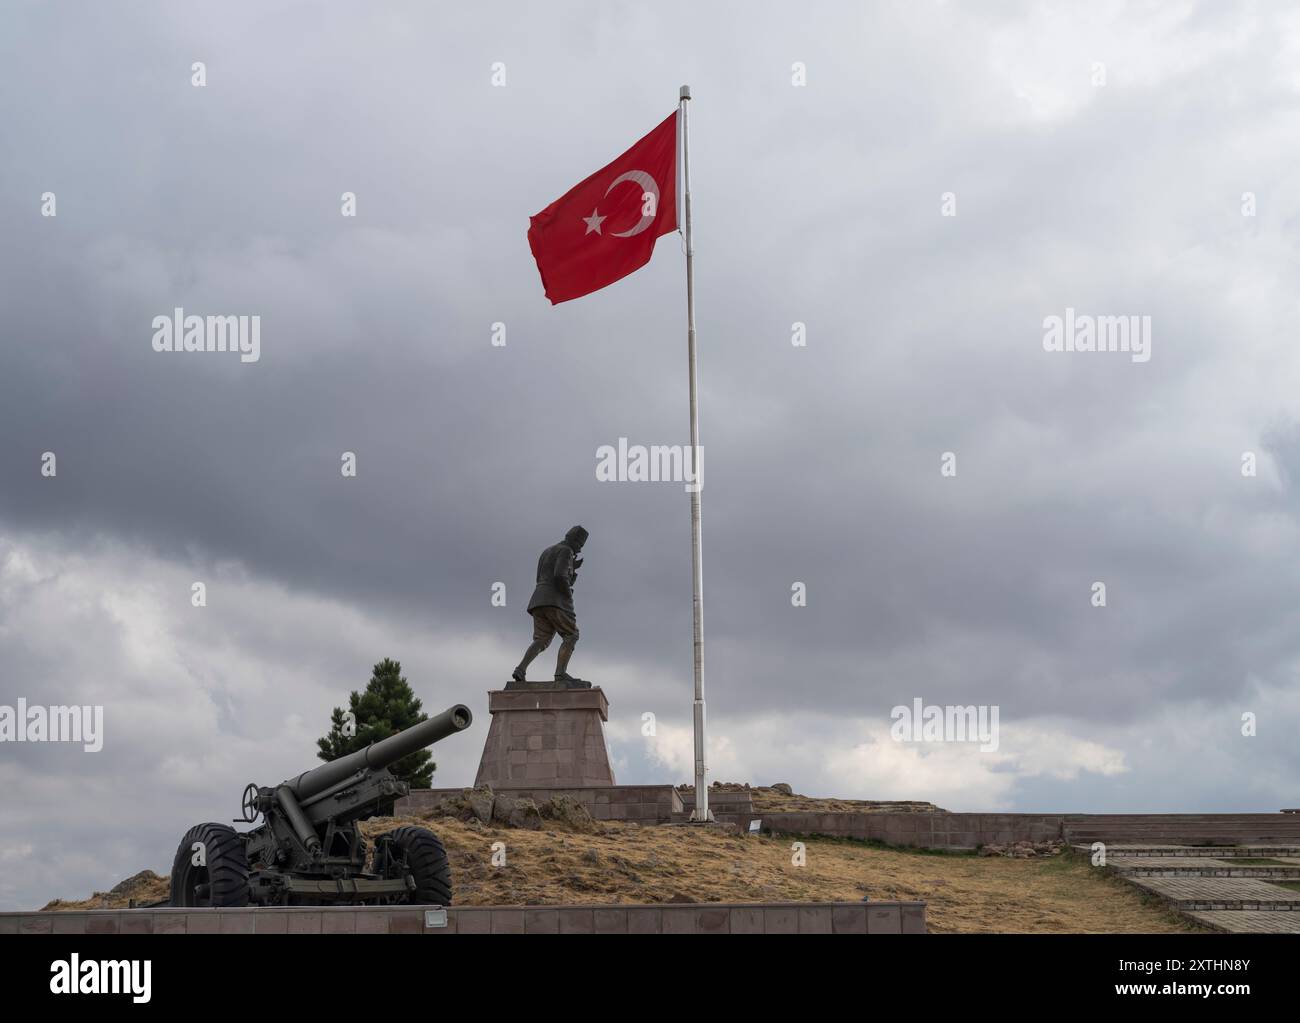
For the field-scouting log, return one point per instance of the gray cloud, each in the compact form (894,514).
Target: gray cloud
(819,205)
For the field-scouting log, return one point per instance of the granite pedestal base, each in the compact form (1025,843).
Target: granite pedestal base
(546,738)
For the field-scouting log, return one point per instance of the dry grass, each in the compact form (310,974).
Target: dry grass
(144,887)
(626,863)
(611,863)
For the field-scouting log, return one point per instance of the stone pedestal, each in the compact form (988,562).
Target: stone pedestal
(546,738)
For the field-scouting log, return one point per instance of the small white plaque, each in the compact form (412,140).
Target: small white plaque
(435,918)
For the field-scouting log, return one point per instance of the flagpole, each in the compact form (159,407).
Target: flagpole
(701,813)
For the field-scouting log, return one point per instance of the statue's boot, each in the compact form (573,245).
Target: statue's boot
(520,673)
(562,665)
(562,661)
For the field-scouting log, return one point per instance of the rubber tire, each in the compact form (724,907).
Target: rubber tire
(227,867)
(428,863)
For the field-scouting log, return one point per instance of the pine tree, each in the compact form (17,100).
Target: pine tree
(388,706)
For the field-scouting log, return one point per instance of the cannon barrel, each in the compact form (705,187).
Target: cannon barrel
(382,753)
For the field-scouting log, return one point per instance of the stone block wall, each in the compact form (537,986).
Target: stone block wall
(957,831)
(693,918)
(732,803)
(943,830)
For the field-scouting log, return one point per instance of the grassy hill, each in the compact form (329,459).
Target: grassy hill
(577,860)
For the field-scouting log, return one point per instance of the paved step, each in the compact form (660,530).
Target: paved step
(1192,866)
(1184,828)
(1215,852)
(1220,893)
(1207,883)
(1247,921)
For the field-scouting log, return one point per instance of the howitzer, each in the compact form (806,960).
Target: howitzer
(309,850)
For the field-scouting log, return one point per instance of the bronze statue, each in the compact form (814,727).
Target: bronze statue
(552,608)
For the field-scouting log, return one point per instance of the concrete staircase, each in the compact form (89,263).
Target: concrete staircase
(1183,828)
(1231,888)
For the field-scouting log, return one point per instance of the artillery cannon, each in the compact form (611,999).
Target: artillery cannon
(308,850)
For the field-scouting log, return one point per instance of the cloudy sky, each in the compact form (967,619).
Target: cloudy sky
(1098,157)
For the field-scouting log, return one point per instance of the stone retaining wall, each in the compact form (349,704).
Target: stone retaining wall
(1184,828)
(924,830)
(727,801)
(663,804)
(693,918)
(942,830)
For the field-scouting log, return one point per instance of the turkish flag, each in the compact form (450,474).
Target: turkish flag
(601,230)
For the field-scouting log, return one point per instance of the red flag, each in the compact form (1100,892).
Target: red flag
(604,228)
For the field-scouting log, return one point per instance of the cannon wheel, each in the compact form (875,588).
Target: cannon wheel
(426,859)
(224,878)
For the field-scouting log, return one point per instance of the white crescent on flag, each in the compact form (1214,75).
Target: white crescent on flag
(649,186)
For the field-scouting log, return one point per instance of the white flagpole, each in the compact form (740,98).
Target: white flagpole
(701,812)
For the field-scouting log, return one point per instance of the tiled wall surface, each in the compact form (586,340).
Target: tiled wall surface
(970,830)
(927,830)
(693,918)
(1188,828)
(720,802)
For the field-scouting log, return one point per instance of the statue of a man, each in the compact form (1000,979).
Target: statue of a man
(552,605)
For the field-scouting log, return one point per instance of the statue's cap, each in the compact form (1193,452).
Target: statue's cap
(577,535)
